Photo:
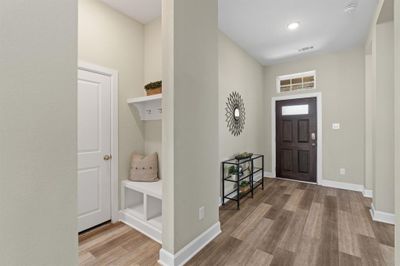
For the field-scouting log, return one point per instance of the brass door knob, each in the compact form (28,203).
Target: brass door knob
(107,157)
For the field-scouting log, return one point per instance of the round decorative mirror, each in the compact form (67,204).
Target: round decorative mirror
(235,113)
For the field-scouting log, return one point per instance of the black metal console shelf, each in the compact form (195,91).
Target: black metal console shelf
(235,172)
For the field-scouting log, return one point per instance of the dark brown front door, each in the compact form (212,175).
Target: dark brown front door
(296,139)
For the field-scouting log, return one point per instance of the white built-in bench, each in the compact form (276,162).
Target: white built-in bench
(141,207)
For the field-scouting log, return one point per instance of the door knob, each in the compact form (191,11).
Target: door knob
(107,157)
(313,136)
(313,144)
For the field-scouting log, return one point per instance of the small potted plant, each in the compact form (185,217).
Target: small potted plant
(232,171)
(153,88)
(244,186)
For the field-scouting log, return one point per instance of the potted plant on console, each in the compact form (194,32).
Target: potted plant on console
(232,172)
(244,186)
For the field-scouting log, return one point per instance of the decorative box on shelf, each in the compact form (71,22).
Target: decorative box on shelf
(245,175)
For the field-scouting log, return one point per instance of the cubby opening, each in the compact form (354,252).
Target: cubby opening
(134,202)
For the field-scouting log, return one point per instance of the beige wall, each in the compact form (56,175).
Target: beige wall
(152,51)
(113,40)
(38,205)
(369,122)
(152,72)
(240,72)
(384,115)
(397,124)
(340,78)
(380,111)
(152,139)
(190,121)
(237,71)
(168,138)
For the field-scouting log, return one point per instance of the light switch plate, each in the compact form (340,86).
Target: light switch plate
(335,126)
(201,213)
(342,171)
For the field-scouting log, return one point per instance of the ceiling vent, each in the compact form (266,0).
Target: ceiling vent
(351,7)
(306,49)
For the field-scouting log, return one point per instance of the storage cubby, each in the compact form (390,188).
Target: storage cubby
(134,202)
(154,211)
(142,207)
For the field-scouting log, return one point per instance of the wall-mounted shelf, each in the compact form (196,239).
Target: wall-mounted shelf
(149,107)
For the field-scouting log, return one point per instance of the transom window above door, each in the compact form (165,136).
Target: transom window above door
(295,110)
(298,81)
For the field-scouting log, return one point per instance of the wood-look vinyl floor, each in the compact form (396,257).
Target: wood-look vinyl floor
(291,223)
(287,223)
(117,244)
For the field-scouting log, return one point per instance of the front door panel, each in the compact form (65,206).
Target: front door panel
(296,143)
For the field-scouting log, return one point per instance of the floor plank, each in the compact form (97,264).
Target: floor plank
(349,260)
(117,244)
(260,258)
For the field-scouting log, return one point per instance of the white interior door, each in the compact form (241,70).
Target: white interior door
(94,145)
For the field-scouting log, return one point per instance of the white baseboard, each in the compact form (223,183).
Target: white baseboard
(268,174)
(341,185)
(191,249)
(143,227)
(367,193)
(379,216)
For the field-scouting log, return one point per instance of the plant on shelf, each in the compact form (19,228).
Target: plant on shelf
(244,186)
(153,88)
(232,171)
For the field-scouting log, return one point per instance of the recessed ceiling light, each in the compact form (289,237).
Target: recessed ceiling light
(293,25)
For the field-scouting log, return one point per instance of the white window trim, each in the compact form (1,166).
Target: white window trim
(296,75)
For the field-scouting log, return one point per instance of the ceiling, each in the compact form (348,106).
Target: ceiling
(260,26)
(143,11)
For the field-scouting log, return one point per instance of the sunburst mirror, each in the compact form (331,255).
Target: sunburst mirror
(235,113)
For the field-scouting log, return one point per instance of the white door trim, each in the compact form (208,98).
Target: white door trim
(317,95)
(113,74)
